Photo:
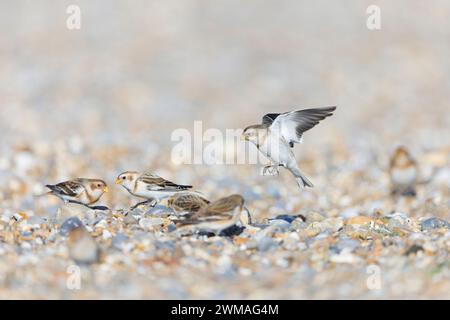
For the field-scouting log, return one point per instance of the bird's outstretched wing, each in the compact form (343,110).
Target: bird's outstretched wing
(291,125)
(156,183)
(70,188)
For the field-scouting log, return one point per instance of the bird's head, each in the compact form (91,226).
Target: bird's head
(127,179)
(96,188)
(401,158)
(253,133)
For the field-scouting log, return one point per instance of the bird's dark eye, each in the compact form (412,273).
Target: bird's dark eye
(99,185)
(123,178)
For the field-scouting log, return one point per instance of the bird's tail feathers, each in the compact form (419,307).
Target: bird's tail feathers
(184,187)
(302,181)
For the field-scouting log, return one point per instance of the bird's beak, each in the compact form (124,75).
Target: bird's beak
(243,137)
(118,181)
(106,190)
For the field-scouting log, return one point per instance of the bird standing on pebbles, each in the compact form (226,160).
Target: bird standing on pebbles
(81,191)
(403,172)
(148,186)
(218,215)
(276,136)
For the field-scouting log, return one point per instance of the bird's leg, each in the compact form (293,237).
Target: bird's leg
(152,203)
(138,204)
(78,202)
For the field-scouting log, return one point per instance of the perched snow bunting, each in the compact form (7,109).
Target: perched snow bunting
(218,215)
(403,172)
(187,202)
(277,134)
(83,248)
(82,191)
(148,186)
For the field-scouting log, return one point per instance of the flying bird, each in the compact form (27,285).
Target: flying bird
(278,133)
(218,215)
(81,191)
(148,186)
(403,172)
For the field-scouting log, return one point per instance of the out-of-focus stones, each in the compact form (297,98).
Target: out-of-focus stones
(401,221)
(266,244)
(69,225)
(160,211)
(313,217)
(434,223)
(280,224)
(82,247)
(151,223)
(359,221)
(345,256)
(329,224)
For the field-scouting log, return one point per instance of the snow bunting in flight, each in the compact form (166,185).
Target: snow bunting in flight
(278,133)
(218,215)
(148,186)
(81,191)
(403,172)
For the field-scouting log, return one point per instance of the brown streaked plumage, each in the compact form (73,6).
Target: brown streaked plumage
(148,186)
(403,172)
(217,216)
(81,190)
(187,202)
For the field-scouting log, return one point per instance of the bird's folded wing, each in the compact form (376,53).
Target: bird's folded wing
(68,188)
(291,125)
(155,183)
(190,202)
(222,206)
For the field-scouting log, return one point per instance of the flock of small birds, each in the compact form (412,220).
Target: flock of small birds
(275,138)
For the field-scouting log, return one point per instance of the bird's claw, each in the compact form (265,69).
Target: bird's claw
(270,171)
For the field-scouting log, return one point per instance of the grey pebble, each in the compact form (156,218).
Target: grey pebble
(160,210)
(171,227)
(118,240)
(434,223)
(35,220)
(266,244)
(69,225)
(348,243)
(280,224)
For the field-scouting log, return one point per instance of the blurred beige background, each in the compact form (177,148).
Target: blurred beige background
(138,70)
